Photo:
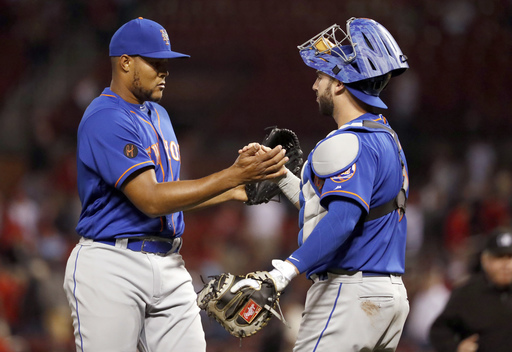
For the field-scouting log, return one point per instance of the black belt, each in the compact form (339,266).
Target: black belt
(149,245)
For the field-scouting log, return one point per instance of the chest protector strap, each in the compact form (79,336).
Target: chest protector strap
(400,201)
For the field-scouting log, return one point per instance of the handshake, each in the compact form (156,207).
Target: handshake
(262,191)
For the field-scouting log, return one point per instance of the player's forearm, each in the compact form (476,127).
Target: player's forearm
(237,194)
(327,237)
(170,197)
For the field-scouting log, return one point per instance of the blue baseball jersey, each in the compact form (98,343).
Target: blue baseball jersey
(374,177)
(115,139)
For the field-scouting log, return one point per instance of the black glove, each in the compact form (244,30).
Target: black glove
(263,191)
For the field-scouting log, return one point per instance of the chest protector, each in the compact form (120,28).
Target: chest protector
(321,164)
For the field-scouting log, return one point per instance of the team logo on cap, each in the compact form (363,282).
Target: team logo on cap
(345,175)
(165,36)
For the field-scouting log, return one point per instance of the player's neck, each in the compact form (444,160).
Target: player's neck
(347,112)
(123,92)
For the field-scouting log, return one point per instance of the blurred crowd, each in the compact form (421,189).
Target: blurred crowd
(450,111)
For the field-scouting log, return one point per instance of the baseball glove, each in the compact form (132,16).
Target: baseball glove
(244,312)
(263,191)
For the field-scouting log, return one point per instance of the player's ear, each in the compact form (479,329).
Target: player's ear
(338,86)
(125,62)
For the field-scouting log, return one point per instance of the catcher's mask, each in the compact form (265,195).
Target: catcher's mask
(365,53)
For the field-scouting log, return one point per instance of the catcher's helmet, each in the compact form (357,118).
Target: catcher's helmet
(366,53)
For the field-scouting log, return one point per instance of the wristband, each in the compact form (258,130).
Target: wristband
(290,186)
(283,273)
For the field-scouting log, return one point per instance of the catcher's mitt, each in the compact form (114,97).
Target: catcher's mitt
(263,191)
(244,312)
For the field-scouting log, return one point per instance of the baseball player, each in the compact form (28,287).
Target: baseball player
(125,280)
(351,197)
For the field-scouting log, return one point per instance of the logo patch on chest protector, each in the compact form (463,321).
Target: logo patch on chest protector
(130,151)
(250,311)
(345,175)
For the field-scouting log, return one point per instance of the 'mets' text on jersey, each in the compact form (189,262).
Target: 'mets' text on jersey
(116,139)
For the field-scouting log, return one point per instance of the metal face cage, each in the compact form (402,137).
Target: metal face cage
(330,41)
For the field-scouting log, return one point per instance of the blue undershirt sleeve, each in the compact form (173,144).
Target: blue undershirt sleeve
(332,231)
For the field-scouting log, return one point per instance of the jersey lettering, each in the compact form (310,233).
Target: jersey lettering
(175,151)
(166,147)
(156,150)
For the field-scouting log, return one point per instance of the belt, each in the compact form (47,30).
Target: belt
(351,275)
(146,245)
(355,277)
(364,273)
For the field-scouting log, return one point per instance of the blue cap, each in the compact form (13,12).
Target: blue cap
(142,37)
(371,100)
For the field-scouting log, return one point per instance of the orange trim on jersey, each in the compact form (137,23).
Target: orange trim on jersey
(170,168)
(158,144)
(108,95)
(348,193)
(124,173)
(381,118)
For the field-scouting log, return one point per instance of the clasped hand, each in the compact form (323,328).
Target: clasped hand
(256,163)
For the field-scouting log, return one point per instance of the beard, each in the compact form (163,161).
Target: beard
(142,94)
(326,103)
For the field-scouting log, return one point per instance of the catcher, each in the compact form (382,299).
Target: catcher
(352,198)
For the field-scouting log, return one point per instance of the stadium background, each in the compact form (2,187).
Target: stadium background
(451,110)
